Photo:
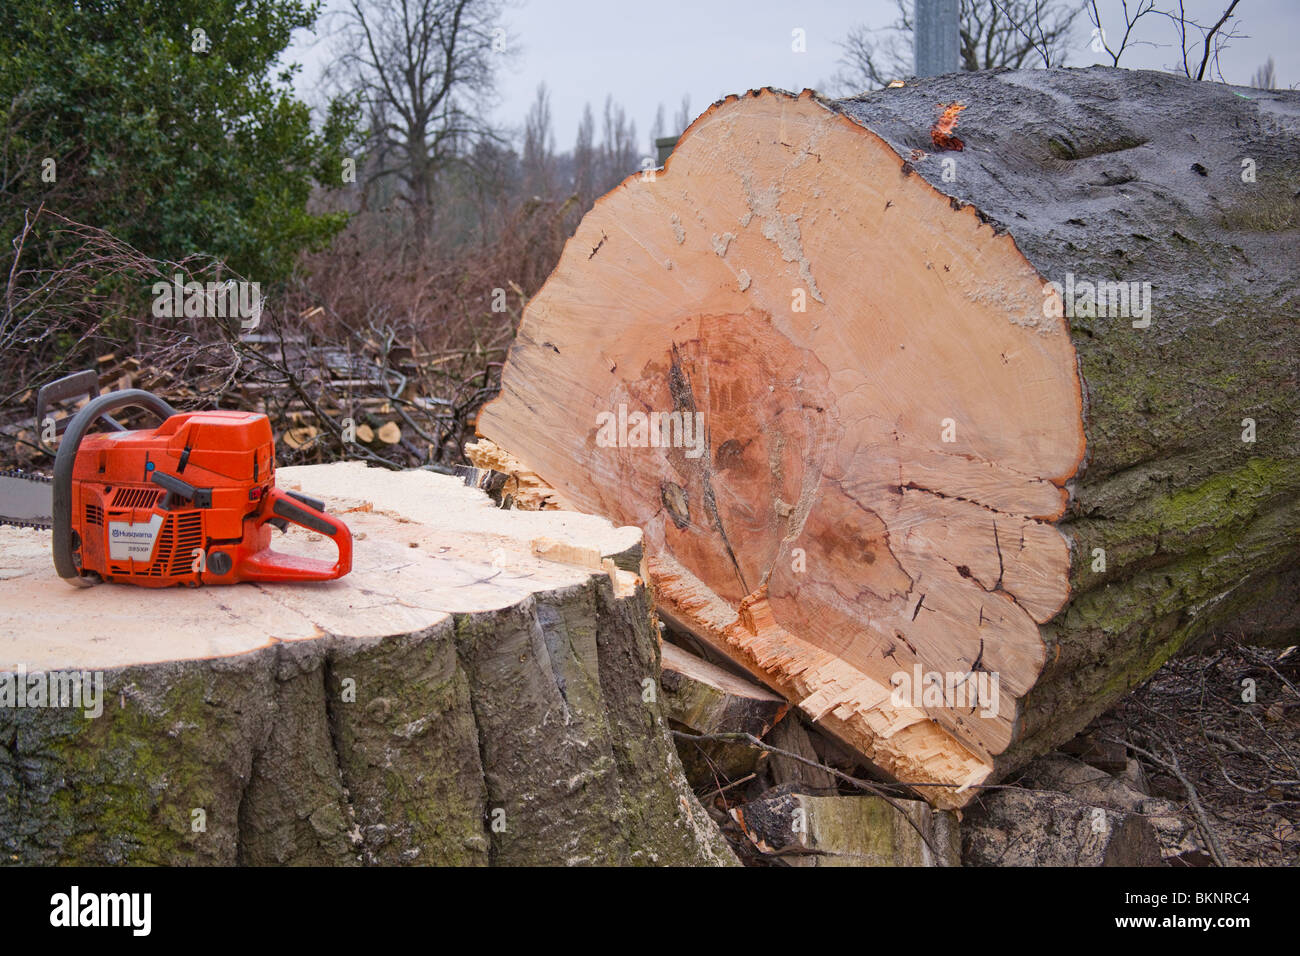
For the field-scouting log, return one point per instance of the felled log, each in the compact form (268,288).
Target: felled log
(474,692)
(709,700)
(790,736)
(805,830)
(705,699)
(986,385)
(1015,827)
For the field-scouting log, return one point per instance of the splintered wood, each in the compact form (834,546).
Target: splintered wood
(841,699)
(524,489)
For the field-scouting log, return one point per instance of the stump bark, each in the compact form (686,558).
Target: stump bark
(474,692)
(845,364)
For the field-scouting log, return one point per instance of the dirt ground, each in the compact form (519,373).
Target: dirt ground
(1227,723)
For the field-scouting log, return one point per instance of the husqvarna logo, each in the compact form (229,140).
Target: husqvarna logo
(133,540)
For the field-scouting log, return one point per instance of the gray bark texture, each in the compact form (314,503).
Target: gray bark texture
(519,736)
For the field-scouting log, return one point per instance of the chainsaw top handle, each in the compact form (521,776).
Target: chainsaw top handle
(66,459)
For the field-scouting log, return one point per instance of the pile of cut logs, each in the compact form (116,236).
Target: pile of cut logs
(327,382)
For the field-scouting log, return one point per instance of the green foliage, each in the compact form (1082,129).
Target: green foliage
(175,150)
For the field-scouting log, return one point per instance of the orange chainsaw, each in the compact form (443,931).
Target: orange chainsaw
(190,502)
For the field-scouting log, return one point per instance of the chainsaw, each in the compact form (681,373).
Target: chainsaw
(191,502)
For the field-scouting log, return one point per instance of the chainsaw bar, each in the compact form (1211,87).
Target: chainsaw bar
(26,500)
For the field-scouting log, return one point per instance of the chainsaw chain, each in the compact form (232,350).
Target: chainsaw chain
(27,475)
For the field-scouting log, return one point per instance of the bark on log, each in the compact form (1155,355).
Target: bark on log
(705,699)
(909,457)
(1042,828)
(809,830)
(709,700)
(456,699)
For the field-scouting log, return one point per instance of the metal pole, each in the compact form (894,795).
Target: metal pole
(937,43)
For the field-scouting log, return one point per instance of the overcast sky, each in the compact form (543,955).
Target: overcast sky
(647,53)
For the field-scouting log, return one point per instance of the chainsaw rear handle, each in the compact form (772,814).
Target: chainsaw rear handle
(280,506)
(66,459)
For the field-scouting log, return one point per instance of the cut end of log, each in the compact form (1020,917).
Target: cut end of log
(837,405)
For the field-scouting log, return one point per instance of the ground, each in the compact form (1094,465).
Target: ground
(1216,739)
(1242,757)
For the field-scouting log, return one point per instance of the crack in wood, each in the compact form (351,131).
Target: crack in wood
(1001,570)
(913,486)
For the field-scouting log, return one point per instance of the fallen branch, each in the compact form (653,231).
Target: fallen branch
(1172,767)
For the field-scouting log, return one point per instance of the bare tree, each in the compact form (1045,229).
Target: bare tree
(1109,45)
(619,155)
(1211,40)
(584,158)
(1041,28)
(1194,38)
(684,116)
(539,146)
(422,67)
(994,33)
(657,129)
(1265,77)
(872,58)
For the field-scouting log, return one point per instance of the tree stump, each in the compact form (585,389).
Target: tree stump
(950,411)
(480,689)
